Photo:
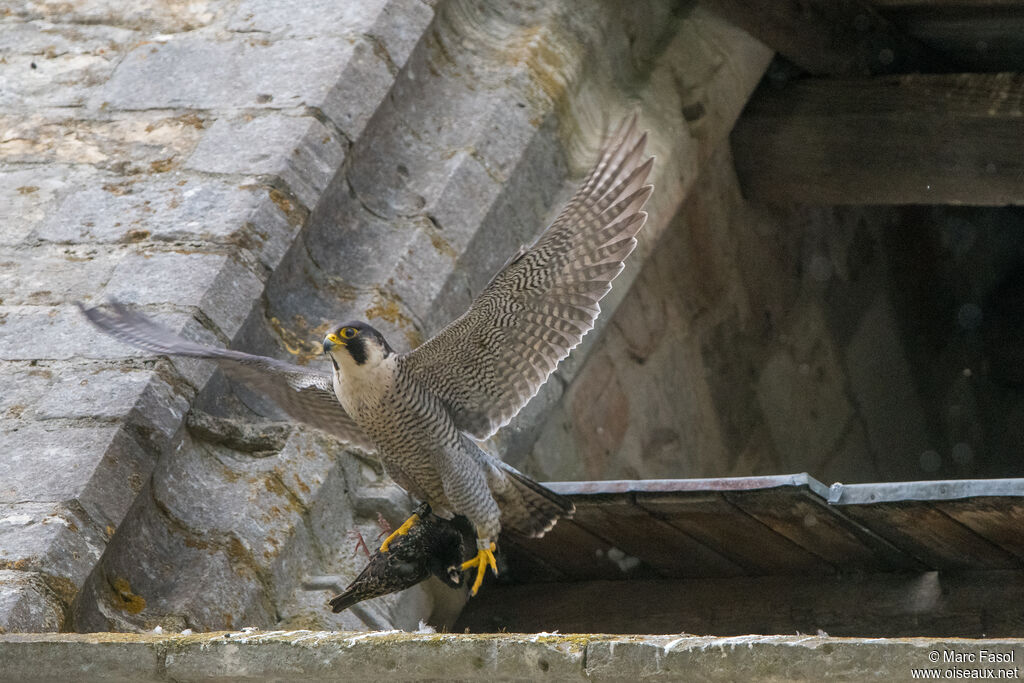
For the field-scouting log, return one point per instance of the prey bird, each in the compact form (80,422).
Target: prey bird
(432,547)
(423,411)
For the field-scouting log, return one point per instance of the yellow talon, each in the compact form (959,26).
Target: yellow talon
(400,531)
(484,559)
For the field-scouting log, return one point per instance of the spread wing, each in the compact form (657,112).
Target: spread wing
(488,363)
(305,395)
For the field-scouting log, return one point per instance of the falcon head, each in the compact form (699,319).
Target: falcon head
(356,342)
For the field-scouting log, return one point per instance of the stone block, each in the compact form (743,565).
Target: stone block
(141,397)
(156,19)
(380,656)
(99,466)
(299,150)
(52,333)
(195,486)
(53,540)
(61,333)
(158,572)
(355,245)
(300,655)
(396,23)
(58,65)
(217,284)
(176,207)
(23,384)
(125,144)
(26,605)
(27,195)
(344,79)
(44,276)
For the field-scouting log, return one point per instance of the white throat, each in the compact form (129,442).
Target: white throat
(359,387)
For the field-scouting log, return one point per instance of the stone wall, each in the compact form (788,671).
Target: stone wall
(312,656)
(247,172)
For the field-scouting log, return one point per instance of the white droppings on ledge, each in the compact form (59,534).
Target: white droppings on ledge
(372,634)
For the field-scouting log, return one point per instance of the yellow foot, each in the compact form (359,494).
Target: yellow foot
(484,559)
(406,525)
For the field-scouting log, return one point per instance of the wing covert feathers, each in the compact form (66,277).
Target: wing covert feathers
(493,359)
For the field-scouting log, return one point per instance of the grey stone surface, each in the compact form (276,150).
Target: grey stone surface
(100,467)
(55,65)
(214,282)
(173,208)
(25,599)
(54,276)
(247,171)
(59,543)
(160,19)
(252,145)
(340,656)
(99,120)
(26,194)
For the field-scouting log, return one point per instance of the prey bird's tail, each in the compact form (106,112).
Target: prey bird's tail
(345,600)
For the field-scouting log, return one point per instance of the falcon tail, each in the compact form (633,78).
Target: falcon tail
(528,508)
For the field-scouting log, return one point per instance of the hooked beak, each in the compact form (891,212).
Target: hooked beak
(332,340)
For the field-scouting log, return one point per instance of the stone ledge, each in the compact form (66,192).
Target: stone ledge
(342,656)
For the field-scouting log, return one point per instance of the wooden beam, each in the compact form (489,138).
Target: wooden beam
(829,37)
(969,605)
(978,35)
(913,139)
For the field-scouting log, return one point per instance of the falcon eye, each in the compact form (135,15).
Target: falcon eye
(348,332)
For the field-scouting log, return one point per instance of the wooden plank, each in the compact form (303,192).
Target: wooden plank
(978,35)
(933,5)
(578,554)
(829,37)
(669,551)
(936,539)
(969,605)
(811,523)
(947,139)
(516,564)
(1000,520)
(717,524)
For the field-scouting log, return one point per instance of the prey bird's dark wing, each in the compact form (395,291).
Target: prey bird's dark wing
(493,359)
(305,395)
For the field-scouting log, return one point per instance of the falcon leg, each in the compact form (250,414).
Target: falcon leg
(421,511)
(484,559)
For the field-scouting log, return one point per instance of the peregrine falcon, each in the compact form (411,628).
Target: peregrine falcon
(423,411)
(433,546)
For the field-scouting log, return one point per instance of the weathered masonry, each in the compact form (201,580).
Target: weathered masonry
(830,280)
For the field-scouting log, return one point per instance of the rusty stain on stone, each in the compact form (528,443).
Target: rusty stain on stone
(387,306)
(129,601)
(299,340)
(295,213)
(161,165)
(136,235)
